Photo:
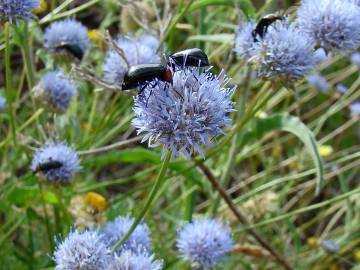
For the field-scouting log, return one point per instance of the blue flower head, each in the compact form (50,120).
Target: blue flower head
(136,51)
(68,31)
(244,41)
(116,230)
(185,115)
(341,88)
(82,251)
(330,246)
(284,54)
(55,91)
(332,24)
(140,260)
(355,59)
(204,242)
(61,153)
(355,108)
(14,10)
(2,104)
(318,82)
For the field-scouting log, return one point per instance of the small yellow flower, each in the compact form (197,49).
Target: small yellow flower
(312,241)
(95,36)
(334,266)
(42,8)
(325,150)
(261,115)
(357,255)
(95,201)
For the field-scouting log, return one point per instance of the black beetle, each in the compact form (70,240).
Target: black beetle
(46,166)
(263,25)
(142,74)
(73,49)
(190,57)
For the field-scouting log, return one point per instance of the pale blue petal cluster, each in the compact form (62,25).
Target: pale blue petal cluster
(68,31)
(185,115)
(285,54)
(82,250)
(116,230)
(57,152)
(341,88)
(332,24)
(355,59)
(15,10)
(58,91)
(140,260)
(2,104)
(330,246)
(204,242)
(136,51)
(244,41)
(355,108)
(318,82)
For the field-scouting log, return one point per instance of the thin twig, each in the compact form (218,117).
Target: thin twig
(111,146)
(241,217)
(111,43)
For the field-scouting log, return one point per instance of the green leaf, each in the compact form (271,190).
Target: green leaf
(51,198)
(246,5)
(292,124)
(22,196)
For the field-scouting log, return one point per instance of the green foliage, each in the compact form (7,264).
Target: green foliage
(269,161)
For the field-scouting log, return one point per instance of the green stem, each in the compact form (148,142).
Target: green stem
(158,183)
(57,219)
(31,241)
(28,58)
(8,82)
(47,223)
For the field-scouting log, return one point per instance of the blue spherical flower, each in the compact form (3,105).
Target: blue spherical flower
(330,246)
(285,54)
(116,230)
(2,104)
(55,91)
(186,114)
(57,152)
(244,40)
(69,32)
(14,10)
(318,82)
(355,59)
(355,108)
(204,242)
(341,88)
(129,260)
(332,24)
(136,51)
(82,251)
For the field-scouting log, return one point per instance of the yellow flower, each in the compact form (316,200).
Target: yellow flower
(334,266)
(312,241)
(42,8)
(357,254)
(325,150)
(261,115)
(95,36)
(95,201)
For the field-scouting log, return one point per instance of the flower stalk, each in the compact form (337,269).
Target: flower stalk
(157,186)
(8,82)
